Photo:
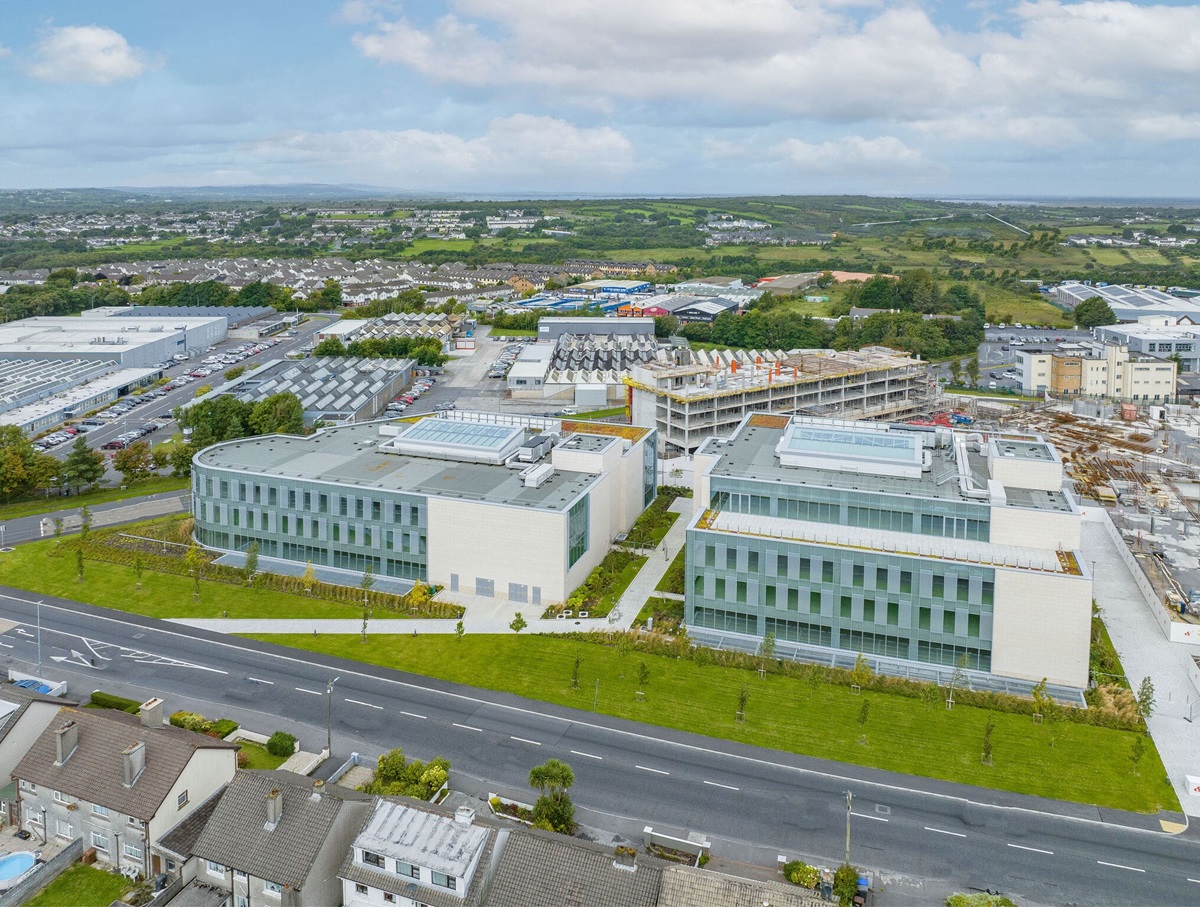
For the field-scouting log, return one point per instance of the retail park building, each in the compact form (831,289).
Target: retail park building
(920,546)
(512,507)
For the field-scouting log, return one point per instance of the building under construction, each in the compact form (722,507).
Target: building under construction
(700,393)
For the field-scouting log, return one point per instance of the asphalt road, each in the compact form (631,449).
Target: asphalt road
(753,803)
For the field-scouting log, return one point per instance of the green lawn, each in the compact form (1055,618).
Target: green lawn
(608,413)
(43,504)
(162,595)
(672,580)
(258,757)
(1060,760)
(82,886)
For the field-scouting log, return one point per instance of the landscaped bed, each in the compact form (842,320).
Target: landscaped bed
(604,586)
(799,712)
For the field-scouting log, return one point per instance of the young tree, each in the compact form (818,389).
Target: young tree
(643,674)
(79,561)
(366,617)
(553,807)
(861,673)
(195,563)
(1137,751)
(181,459)
(309,578)
(575,672)
(518,623)
(251,566)
(743,699)
(864,713)
(1145,698)
(85,522)
(367,584)
(82,466)
(987,740)
(972,369)
(766,648)
(459,630)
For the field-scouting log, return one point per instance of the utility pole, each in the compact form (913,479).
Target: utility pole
(39,625)
(329,725)
(849,799)
(596,698)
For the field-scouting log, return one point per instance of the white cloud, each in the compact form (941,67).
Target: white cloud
(87,53)
(533,150)
(4,51)
(853,155)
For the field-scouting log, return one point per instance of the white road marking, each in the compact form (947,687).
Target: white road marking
(313,692)
(88,643)
(24,632)
(6,645)
(943,832)
(414,715)
(523,740)
(865,816)
(657,771)
(725,786)
(260,680)
(1197,881)
(586,755)
(367,704)
(467,727)
(1119,866)
(1032,849)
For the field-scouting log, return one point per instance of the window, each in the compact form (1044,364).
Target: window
(577,529)
(719,588)
(360,888)
(28,785)
(973,625)
(827,572)
(408,870)
(63,829)
(893,614)
(389,898)
(343,501)
(273,888)
(243,901)
(372,859)
(939,586)
(358,508)
(444,881)
(859,575)
(99,841)
(741,591)
(132,849)
(241,874)
(814,601)
(215,868)
(376,510)
(752,562)
(98,810)
(846,606)
(60,797)
(182,799)
(948,622)
(770,596)
(906,581)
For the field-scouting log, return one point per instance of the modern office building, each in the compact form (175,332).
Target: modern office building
(695,394)
(498,506)
(1106,371)
(1158,335)
(913,544)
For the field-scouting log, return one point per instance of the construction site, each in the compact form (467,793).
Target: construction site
(699,393)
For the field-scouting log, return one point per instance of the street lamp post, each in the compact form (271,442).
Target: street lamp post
(849,799)
(39,629)
(329,725)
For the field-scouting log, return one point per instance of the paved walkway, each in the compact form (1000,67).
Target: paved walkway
(1146,652)
(484,615)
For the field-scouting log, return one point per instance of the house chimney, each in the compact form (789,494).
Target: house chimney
(464,815)
(152,712)
(274,809)
(318,790)
(134,760)
(66,741)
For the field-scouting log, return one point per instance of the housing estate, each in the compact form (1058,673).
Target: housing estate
(517,507)
(913,544)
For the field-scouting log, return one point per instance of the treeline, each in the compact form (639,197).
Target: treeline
(226,418)
(74,253)
(425,350)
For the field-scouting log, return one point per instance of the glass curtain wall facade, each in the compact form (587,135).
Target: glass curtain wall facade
(303,521)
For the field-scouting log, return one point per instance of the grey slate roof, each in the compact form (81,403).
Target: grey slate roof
(685,886)
(542,869)
(236,835)
(182,838)
(95,772)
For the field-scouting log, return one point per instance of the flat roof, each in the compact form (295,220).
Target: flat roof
(354,455)
(1023,450)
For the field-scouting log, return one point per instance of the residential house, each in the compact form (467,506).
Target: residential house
(24,715)
(276,838)
(119,782)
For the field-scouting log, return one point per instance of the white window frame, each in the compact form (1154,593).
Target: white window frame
(98,810)
(182,800)
(272,888)
(360,888)
(214,869)
(58,829)
(96,837)
(132,850)
(60,797)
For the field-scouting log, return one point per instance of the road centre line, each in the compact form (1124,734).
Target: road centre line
(367,704)
(657,771)
(944,832)
(475,702)
(1032,849)
(260,680)
(313,692)
(1197,881)
(587,755)
(873,818)
(1119,866)
(467,727)
(725,786)
(414,715)
(523,740)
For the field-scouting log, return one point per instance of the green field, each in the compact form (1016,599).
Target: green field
(82,886)
(162,595)
(1059,760)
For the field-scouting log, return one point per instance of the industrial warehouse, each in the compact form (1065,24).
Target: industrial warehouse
(518,508)
(916,545)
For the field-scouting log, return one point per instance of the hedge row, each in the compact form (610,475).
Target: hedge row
(193,721)
(679,646)
(103,700)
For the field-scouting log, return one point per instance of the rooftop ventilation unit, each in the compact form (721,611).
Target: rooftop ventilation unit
(537,476)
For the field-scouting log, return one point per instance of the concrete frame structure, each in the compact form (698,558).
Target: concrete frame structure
(1107,371)
(915,544)
(702,393)
(515,507)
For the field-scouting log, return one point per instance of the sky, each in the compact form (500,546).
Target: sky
(947,98)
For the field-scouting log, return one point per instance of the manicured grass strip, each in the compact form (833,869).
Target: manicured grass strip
(258,757)
(608,413)
(1060,760)
(161,595)
(82,886)
(43,504)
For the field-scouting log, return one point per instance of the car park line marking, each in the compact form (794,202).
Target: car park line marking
(414,715)
(657,771)
(1197,881)
(724,786)
(587,755)
(943,832)
(523,740)
(6,645)
(865,816)
(367,704)
(467,727)
(1032,849)
(1119,866)
(314,692)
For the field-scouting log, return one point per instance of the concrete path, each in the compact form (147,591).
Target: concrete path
(1145,652)
(642,587)
(23,529)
